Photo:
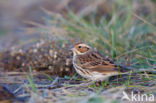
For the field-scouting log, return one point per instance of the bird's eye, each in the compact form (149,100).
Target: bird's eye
(79,47)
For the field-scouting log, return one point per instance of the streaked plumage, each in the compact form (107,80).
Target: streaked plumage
(92,65)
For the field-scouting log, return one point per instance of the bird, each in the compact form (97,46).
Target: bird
(90,64)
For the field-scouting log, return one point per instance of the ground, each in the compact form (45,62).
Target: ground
(36,64)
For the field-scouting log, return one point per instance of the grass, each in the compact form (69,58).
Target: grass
(130,40)
(124,35)
(49,77)
(113,45)
(31,80)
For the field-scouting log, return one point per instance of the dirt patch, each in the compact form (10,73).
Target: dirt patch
(44,56)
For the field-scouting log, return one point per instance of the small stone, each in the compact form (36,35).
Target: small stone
(18,58)
(68,62)
(61,69)
(66,69)
(38,45)
(23,64)
(55,55)
(34,50)
(51,52)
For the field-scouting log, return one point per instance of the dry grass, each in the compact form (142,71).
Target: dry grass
(124,31)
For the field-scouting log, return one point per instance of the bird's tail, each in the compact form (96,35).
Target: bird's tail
(133,69)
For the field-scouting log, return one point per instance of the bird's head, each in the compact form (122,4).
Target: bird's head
(80,48)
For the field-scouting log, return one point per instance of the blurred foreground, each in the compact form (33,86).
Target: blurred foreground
(35,37)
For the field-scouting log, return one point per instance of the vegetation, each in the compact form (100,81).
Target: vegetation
(126,33)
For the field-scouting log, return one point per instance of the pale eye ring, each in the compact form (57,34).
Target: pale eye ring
(79,47)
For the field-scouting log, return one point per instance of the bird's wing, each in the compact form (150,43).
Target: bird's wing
(93,61)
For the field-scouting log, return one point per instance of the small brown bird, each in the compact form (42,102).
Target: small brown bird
(91,65)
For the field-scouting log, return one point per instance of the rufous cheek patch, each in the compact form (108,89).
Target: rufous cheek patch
(83,49)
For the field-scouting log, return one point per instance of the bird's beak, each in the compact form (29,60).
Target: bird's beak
(72,49)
